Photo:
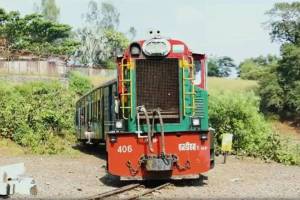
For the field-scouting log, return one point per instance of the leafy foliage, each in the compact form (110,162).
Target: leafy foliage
(49,10)
(238,114)
(220,67)
(254,68)
(100,37)
(79,83)
(35,34)
(37,115)
(40,115)
(280,87)
(285,22)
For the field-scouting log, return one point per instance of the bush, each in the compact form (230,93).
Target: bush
(238,114)
(37,115)
(79,83)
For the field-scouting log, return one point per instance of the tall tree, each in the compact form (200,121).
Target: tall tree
(284,84)
(226,64)
(284,22)
(35,34)
(220,66)
(100,37)
(50,10)
(132,33)
(255,68)
(213,69)
(111,15)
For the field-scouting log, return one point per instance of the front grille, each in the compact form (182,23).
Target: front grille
(157,85)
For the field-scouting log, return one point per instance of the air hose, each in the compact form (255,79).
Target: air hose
(163,147)
(143,109)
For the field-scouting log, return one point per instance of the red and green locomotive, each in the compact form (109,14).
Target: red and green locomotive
(154,117)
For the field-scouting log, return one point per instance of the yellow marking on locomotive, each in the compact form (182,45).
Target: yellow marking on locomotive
(125,96)
(188,68)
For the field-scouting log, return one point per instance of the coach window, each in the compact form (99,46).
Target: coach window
(82,116)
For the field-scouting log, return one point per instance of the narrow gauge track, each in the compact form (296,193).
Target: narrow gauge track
(114,193)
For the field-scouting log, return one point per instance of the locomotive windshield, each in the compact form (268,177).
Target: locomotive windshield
(197,72)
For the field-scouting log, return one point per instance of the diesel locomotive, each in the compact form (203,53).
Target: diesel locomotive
(153,117)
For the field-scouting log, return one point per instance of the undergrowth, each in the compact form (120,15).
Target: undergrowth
(40,115)
(238,113)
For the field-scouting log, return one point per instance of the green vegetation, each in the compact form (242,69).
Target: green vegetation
(100,38)
(78,83)
(280,86)
(33,33)
(238,113)
(220,66)
(256,68)
(49,10)
(234,85)
(40,34)
(40,116)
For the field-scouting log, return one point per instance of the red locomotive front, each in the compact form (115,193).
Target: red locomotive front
(161,127)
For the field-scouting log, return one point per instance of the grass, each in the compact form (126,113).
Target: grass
(237,85)
(10,148)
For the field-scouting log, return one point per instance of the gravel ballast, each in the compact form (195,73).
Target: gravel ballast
(84,175)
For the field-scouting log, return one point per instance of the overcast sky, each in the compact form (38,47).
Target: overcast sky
(215,27)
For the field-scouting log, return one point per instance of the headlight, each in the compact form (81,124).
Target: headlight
(196,122)
(119,124)
(135,49)
(156,47)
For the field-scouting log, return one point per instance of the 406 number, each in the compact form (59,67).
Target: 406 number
(124,149)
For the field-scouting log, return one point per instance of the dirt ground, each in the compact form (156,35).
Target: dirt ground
(81,176)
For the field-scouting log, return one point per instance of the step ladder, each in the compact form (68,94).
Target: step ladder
(126,86)
(188,87)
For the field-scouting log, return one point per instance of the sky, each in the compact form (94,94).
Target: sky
(215,27)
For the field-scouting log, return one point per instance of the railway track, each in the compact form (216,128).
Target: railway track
(128,192)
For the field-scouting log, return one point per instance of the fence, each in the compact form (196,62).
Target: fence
(22,70)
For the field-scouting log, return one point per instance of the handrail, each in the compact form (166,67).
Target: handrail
(123,93)
(191,78)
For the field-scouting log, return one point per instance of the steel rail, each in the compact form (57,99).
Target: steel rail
(127,188)
(139,195)
(114,192)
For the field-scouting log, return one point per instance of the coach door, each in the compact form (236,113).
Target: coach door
(106,109)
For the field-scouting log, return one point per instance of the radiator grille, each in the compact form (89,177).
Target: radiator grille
(157,85)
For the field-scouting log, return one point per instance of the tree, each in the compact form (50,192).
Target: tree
(226,64)
(213,69)
(285,22)
(100,37)
(288,73)
(110,19)
(280,88)
(49,10)
(132,33)
(220,66)
(34,33)
(254,68)
(271,92)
